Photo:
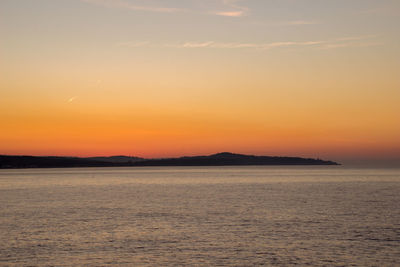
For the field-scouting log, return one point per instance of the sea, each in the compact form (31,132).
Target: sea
(200,216)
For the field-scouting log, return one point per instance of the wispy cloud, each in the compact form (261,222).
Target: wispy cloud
(233,9)
(357,37)
(342,42)
(230,13)
(351,44)
(131,6)
(216,45)
(221,45)
(352,41)
(196,45)
(286,44)
(230,8)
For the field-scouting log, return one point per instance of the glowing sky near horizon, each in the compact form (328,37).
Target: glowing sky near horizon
(151,78)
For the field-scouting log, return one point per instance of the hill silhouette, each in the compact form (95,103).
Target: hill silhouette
(231,159)
(219,159)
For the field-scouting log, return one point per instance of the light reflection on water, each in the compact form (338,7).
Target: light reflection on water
(321,216)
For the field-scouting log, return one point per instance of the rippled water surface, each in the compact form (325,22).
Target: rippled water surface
(211,216)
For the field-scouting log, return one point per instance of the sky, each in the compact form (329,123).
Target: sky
(152,78)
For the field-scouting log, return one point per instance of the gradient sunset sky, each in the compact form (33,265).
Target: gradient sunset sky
(152,78)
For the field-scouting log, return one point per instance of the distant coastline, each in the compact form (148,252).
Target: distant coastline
(219,159)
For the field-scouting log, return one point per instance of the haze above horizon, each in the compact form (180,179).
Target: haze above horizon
(306,78)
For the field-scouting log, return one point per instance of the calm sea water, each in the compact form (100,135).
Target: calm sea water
(211,216)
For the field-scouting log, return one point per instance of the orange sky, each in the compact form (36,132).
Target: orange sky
(187,80)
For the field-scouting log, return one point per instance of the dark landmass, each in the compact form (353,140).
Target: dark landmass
(220,159)
(115,159)
(8,162)
(230,159)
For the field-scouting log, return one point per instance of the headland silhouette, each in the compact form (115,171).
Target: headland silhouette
(219,159)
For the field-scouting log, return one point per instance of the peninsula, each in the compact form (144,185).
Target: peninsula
(219,159)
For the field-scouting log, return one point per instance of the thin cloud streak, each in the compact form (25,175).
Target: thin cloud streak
(235,10)
(197,45)
(127,5)
(349,41)
(230,14)
(221,45)
(352,41)
(356,38)
(345,45)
